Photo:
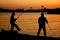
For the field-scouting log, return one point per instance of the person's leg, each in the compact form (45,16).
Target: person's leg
(44,29)
(12,27)
(17,27)
(39,31)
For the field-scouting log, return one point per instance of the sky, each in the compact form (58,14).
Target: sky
(26,4)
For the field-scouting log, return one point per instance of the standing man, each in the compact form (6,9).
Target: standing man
(12,22)
(41,21)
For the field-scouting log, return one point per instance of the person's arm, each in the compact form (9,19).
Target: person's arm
(46,20)
(15,19)
(39,20)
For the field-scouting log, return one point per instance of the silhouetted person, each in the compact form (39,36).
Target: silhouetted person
(42,20)
(12,22)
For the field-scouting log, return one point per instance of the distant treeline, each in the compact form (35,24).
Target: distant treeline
(49,11)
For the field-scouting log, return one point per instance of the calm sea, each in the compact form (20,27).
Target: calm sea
(28,22)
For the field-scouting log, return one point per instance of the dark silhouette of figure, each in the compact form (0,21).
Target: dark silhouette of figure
(42,20)
(12,22)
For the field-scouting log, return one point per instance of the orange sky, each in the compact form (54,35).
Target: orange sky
(14,4)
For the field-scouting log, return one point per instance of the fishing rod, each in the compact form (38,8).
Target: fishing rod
(19,15)
(49,27)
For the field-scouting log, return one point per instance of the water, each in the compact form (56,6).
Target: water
(28,22)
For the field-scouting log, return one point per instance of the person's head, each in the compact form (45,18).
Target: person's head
(42,14)
(13,13)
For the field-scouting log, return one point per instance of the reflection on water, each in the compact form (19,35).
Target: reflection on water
(28,23)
